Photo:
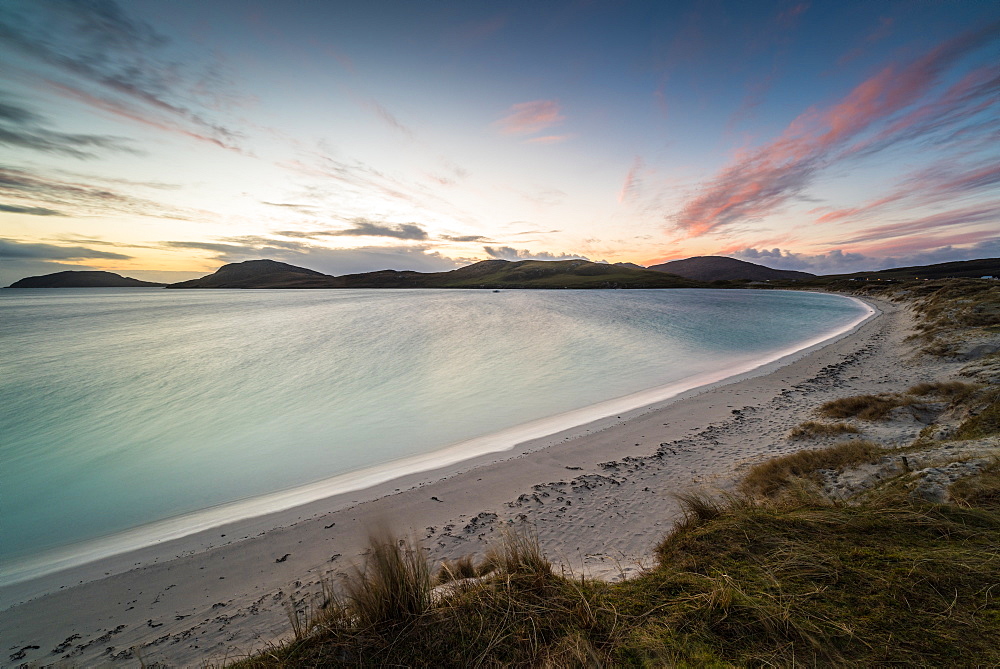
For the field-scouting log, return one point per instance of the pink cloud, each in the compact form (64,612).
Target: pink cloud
(633,182)
(136,115)
(527,118)
(759,181)
(988,213)
(548,139)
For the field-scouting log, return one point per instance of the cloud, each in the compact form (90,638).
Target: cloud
(24,128)
(632,186)
(986,213)
(760,181)
(464,238)
(941,182)
(322,259)
(385,115)
(34,211)
(111,53)
(11,249)
(549,139)
(528,118)
(838,261)
(79,197)
(366,228)
(509,253)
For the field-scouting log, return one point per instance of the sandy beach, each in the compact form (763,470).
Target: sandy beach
(599,495)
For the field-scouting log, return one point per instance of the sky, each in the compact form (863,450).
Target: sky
(162,139)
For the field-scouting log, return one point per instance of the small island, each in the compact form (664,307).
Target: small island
(83,279)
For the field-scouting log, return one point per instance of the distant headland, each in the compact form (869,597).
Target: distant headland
(697,272)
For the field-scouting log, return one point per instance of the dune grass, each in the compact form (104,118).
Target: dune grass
(865,407)
(776,474)
(811,429)
(741,583)
(956,391)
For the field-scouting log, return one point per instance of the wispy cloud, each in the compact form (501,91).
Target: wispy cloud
(388,118)
(12,249)
(77,197)
(987,213)
(632,186)
(117,57)
(528,118)
(33,211)
(25,128)
(510,253)
(941,183)
(760,181)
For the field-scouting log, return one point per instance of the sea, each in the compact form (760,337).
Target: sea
(132,416)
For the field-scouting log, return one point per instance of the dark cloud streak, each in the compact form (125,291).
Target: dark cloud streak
(11,249)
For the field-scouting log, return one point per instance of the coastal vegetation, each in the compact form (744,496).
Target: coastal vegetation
(810,429)
(899,566)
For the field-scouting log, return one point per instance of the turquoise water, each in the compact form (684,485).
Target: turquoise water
(120,407)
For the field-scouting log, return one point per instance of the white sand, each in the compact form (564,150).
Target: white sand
(599,495)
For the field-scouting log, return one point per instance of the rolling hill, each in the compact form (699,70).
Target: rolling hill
(486,274)
(721,268)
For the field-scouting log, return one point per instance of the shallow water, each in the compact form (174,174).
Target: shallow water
(121,407)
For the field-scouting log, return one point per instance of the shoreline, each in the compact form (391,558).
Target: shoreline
(44,571)
(224,596)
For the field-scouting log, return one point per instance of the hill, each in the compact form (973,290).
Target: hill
(554,274)
(83,279)
(720,268)
(961,269)
(259,274)
(486,274)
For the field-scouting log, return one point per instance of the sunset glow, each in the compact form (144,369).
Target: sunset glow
(160,140)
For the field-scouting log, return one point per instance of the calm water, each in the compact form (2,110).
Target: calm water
(119,407)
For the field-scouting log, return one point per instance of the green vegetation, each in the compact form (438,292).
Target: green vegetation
(811,429)
(865,407)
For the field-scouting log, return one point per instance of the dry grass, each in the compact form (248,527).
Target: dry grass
(393,586)
(457,570)
(865,407)
(775,475)
(956,391)
(881,582)
(517,553)
(811,429)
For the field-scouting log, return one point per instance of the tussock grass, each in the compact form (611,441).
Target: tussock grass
(811,429)
(776,475)
(457,570)
(865,407)
(517,553)
(956,391)
(393,586)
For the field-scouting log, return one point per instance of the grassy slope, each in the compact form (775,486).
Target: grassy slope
(778,575)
